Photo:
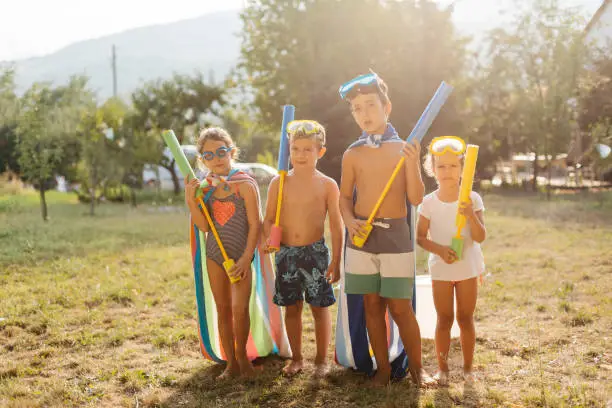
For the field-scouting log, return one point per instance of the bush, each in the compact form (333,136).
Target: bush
(114,194)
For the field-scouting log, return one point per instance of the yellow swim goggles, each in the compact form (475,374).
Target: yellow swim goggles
(444,144)
(308,127)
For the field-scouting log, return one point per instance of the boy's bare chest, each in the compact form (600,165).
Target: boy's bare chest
(306,196)
(377,163)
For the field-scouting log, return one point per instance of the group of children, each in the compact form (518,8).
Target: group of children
(382,270)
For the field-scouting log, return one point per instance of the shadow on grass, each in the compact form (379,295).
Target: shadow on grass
(341,388)
(444,398)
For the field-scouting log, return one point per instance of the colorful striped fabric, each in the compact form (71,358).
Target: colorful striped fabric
(267,335)
(352,345)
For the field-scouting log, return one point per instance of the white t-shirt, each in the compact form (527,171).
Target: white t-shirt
(442,229)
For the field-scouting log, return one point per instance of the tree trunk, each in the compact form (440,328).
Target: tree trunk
(535,172)
(92,191)
(175,180)
(513,175)
(157,184)
(43,204)
(548,187)
(133,197)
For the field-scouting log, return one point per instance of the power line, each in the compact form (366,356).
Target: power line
(114,66)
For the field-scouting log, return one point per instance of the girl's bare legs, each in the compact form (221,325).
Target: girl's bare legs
(323,328)
(467,293)
(443,301)
(241,297)
(220,285)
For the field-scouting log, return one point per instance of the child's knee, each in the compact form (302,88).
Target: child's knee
(401,309)
(465,320)
(224,308)
(445,322)
(319,312)
(294,310)
(240,308)
(372,302)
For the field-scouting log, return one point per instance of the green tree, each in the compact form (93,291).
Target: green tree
(179,103)
(46,132)
(300,51)
(9,112)
(536,67)
(99,137)
(137,149)
(595,116)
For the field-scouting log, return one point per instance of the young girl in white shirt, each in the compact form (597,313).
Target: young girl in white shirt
(450,275)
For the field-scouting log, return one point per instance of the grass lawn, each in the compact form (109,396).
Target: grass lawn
(100,311)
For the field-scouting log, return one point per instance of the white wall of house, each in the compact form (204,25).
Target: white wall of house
(600,28)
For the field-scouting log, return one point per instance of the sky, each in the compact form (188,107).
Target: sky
(37,27)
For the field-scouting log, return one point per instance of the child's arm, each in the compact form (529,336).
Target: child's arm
(415,188)
(196,213)
(251,200)
(347,184)
(475,220)
(270,215)
(444,252)
(335,226)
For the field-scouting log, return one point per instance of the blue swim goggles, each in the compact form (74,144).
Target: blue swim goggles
(368,79)
(220,153)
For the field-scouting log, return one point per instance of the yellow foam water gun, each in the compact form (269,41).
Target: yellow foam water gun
(418,132)
(467,181)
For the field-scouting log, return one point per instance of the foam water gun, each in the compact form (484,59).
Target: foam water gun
(419,131)
(276,232)
(467,180)
(183,165)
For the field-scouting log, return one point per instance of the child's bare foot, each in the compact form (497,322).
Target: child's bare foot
(229,372)
(441,377)
(247,369)
(469,377)
(293,367)
(382,377)
(421,378)
(321,370)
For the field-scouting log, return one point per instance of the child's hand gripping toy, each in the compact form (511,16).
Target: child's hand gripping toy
(276,232)
(419,131)
(183,164)
(467,180)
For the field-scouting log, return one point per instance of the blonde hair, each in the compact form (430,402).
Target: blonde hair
(428,162)
(428,165)
(217,134)
(318,137)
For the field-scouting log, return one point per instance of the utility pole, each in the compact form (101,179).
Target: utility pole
(114,66)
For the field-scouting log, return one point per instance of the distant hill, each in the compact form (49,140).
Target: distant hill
(209,43)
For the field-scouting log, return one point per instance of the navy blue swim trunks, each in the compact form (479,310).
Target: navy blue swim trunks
(300,272)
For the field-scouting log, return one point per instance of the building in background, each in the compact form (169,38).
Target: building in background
(599,29)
